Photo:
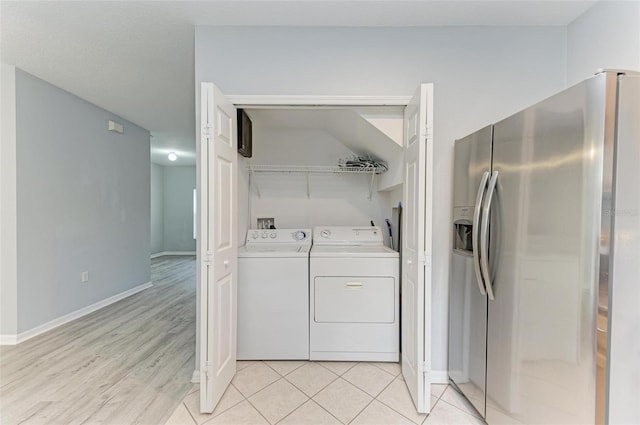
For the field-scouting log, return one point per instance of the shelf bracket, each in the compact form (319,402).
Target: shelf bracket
(253,181)
(373,179)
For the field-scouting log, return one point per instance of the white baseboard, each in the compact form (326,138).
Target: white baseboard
(163,253)
(439,376)
(23,336)
(8,339)
(195,377)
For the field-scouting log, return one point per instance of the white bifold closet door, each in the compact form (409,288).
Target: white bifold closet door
(218,246)
(416,247)
(218,249)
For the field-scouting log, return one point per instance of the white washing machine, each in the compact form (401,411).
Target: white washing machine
(273,295)
(354,295)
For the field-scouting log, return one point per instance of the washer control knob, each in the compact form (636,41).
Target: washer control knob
(325,233)
(254,235)
(299,235)
(273,235)
(264,235)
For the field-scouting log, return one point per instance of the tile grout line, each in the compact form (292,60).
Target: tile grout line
(322,407)
(258,410)
(427,414)
(189,412)
(373,399)
(317,392)
(401,414)
(309,400)
(394,376)
(281,378)
(291,371)
(339,375)
(380,392)
(225,410)
(430,411)
(466,413)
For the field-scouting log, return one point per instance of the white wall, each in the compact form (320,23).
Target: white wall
(481,75)
(178,184)
(606,36)
(8,209)
(157,208)
(334,199)
(82,203)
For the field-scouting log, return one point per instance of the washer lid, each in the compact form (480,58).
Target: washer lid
(350,251)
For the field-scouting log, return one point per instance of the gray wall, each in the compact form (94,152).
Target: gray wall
(179,182)
(481,75)
(82,203)
(8,217)
(157,208)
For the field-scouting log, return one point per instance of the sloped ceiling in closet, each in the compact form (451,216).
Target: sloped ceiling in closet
(370,131)
(374,131)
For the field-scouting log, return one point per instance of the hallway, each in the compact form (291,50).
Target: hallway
(130,362)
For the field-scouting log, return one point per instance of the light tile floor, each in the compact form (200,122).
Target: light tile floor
(323,393)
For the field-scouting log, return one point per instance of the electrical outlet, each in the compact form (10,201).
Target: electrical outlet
(266,222)
(85,277)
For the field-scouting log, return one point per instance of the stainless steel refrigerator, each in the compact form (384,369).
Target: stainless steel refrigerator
(545,285)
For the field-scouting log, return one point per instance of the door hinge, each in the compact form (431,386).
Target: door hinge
(425,368)
(425,259)
(206,130)
(208,369)
(207,258)
(427,133)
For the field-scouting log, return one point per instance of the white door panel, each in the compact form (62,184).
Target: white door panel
(416,247)
(218,247)
(224,197)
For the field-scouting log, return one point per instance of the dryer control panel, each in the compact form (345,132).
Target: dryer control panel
(347,235)
(272,236)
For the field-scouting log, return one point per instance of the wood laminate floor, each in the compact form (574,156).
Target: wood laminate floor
(128,363)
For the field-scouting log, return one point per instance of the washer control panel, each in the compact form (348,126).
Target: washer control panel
(255,236)
(343,235)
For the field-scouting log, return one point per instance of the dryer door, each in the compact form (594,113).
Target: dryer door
(354,299)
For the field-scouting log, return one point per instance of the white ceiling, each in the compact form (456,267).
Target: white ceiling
(135,58)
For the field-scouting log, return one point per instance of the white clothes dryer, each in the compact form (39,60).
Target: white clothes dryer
(273,295)
(354,295)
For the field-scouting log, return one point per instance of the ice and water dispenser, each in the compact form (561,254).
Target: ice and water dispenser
(463,229)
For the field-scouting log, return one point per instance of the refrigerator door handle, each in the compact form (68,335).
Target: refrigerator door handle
(476,227)
(484,234)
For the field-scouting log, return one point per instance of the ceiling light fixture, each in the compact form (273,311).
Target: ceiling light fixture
(172,156)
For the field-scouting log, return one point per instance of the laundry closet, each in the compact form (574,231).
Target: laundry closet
(317,278)
(334,201)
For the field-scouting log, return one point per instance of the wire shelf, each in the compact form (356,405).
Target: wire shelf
(315,169)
